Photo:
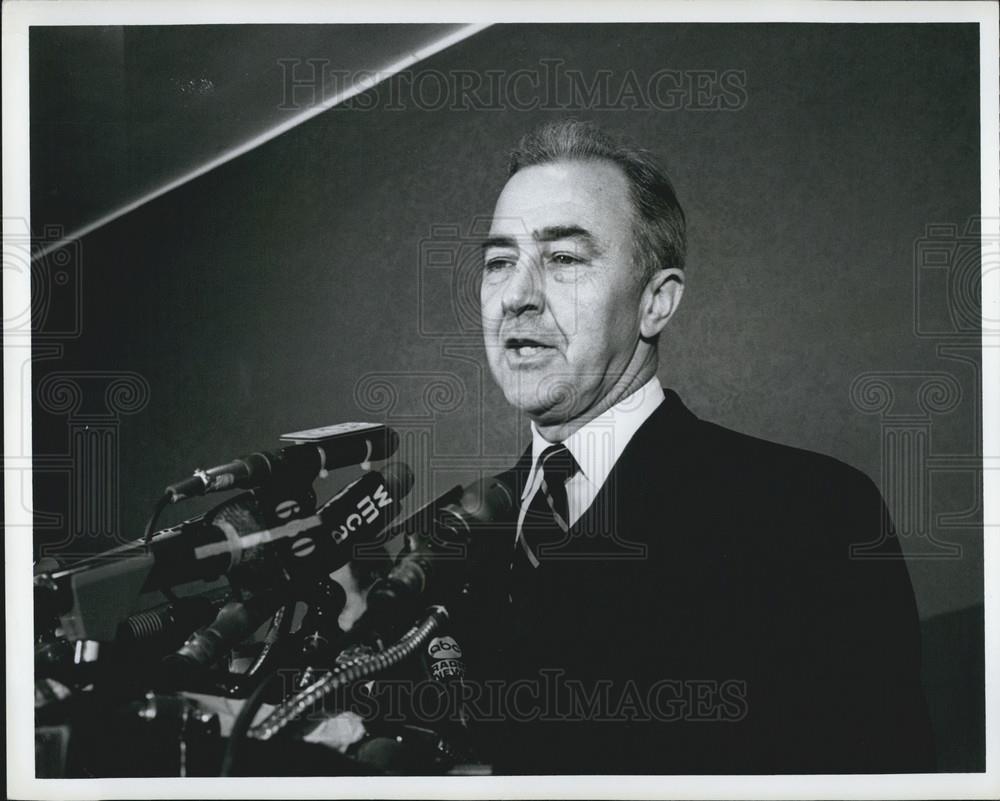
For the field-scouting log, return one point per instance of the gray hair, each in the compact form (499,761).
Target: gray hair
(659,227)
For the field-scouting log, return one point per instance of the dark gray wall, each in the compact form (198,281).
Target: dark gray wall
(107,102)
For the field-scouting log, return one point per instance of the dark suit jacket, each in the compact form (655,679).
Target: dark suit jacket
(707,615)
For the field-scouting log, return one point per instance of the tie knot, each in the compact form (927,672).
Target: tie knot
(558,464)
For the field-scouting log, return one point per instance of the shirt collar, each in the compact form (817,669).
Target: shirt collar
(597,445)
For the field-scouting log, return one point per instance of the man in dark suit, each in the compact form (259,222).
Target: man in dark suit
(680,598)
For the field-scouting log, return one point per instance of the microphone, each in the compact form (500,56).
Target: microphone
(234,623)
(465,537)
(346,523)
(314,451)
(234,539)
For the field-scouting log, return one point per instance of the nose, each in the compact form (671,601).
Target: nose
(524,290)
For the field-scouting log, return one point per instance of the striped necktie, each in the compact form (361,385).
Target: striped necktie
(545,526)
(546,521)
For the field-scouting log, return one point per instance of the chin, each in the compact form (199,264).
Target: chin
(523,396)
(523,399)
(540,400)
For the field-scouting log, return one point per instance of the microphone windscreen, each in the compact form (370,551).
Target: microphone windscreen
(384,445)
(398,479)
(488,501)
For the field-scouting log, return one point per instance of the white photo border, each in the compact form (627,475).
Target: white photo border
(20,15)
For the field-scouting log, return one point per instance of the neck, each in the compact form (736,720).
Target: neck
(640,369)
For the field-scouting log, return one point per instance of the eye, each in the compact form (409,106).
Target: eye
(565,259)
(495,263)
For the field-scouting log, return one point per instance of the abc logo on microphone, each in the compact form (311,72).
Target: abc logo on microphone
(445,658)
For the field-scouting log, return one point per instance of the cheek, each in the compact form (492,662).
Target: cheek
(574,306)
(598,326)
(489,311)
(584,312)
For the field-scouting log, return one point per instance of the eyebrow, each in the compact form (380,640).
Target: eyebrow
(552,233)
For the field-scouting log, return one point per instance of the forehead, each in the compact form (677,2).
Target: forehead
(593,195)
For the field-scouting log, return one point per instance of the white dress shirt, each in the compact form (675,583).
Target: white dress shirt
(596,447)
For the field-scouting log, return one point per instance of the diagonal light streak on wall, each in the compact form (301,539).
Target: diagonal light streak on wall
(325,104)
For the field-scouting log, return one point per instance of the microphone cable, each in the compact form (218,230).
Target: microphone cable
(157,511)
(242,724)
(163,503)
(355,670)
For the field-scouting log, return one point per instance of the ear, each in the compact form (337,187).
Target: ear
(660,299)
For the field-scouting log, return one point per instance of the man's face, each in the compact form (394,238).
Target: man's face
(560,291)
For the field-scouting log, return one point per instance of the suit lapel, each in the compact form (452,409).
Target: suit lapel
(613,560)
(617,523)
(616,527)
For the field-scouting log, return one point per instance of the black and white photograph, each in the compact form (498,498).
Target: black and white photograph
(501,400)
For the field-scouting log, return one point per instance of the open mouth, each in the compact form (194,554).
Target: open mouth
(525,346)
